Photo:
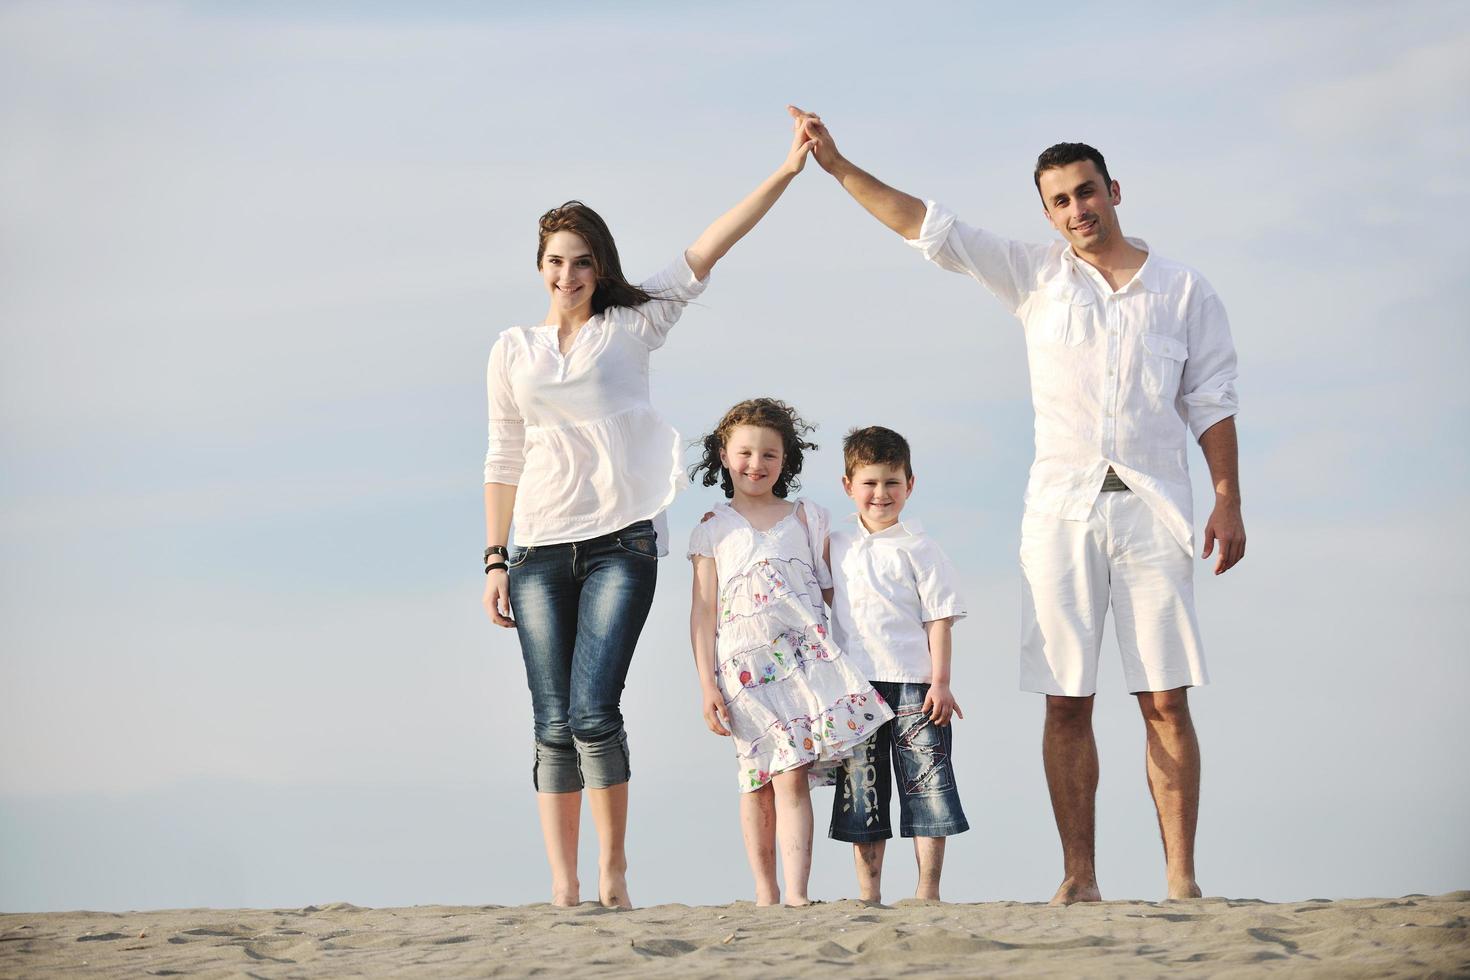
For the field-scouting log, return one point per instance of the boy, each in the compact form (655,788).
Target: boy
(894,599)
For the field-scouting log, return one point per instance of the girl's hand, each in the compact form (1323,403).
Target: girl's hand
(801,146)
(939,703)
(497,598)
(715,715)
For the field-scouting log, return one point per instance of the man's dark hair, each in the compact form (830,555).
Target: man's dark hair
(1062,154)
(875,444)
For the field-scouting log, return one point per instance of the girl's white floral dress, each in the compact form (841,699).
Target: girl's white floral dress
(792,697)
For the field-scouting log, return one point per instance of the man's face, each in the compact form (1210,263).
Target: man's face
(1080,205)
(880,491)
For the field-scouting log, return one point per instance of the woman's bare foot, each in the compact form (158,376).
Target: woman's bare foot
(1074,891)
(798,901)
(567,896)
(612,889)
(768,896)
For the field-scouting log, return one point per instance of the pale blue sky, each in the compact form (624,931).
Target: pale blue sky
(253,257)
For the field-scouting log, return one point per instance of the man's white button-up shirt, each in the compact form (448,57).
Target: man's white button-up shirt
(1117,378)
(885,587)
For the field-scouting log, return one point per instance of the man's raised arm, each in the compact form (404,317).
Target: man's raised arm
(902,212)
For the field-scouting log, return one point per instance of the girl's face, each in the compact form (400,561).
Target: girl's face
(754,455)
(569,272)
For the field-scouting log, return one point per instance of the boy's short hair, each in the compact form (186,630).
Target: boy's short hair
(875,444)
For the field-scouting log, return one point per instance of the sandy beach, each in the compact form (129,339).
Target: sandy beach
(1413,936)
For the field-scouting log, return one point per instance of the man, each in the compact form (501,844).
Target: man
(1128,352)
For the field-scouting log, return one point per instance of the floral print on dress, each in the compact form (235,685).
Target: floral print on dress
(793,699)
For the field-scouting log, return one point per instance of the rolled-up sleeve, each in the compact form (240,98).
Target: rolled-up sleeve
(673,288)
(1207,388)
(506,455)
(1007,268)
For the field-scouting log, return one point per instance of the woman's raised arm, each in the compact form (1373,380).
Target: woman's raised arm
(731,226)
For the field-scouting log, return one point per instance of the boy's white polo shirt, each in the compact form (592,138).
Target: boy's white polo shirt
(886,586)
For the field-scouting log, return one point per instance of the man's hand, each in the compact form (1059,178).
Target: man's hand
(1226,528)
(939,703)
(824,148)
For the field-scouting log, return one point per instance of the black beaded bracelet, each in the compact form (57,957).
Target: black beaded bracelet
(496,564)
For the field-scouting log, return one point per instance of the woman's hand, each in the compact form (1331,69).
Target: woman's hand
(801,147)
(715,715)
(497,598)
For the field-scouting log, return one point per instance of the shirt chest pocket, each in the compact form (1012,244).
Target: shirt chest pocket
(1163,364)
(1066,317)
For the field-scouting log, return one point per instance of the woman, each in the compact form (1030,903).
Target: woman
(586,466)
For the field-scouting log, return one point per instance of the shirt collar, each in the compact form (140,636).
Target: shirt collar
(908,527)
(1147,275)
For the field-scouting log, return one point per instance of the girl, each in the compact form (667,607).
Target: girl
(586,466)
(768,671)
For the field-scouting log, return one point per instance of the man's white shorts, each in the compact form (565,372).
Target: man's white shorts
(1072,570)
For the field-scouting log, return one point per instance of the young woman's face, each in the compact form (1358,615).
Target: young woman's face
(753,454)
(569,272)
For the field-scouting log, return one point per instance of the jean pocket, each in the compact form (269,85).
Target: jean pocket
(639,539)
(518,557)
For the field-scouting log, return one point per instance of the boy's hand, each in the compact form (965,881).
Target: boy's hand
(714,710)
(939,703)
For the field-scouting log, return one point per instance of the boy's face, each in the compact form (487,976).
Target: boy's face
(880,491)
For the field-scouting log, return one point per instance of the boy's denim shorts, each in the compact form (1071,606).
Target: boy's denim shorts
(928,802)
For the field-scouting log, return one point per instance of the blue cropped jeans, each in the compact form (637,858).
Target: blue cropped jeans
(579,608)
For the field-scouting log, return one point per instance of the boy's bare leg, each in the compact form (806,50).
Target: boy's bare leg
(609,808)
(929,852)
(561,819)
(1069,753)
(758,827)
(868,858)
(1173,778)
(794,832)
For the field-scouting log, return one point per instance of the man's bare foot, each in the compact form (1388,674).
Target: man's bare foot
(1074,891)
(1185,888)
(612,890)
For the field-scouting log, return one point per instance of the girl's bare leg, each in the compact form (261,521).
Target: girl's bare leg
(758,826)
(794,831)
(609,808)
(561,818)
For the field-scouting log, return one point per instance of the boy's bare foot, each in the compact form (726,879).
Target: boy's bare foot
(1074,891)
(1184,888)
(612,890)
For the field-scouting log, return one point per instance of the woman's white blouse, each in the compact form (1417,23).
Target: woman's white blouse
(576,434)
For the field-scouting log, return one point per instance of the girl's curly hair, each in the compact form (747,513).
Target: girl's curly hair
(767,413)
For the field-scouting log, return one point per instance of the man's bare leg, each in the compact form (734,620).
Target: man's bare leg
(1173,779)
(867,857)
(929,852)
(1069,753)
